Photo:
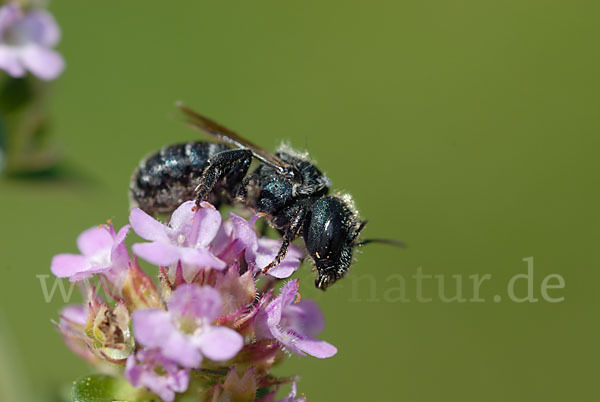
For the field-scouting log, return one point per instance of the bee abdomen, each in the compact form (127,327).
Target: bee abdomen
(165,179)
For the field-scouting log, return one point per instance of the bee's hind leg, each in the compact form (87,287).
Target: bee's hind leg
(228,167)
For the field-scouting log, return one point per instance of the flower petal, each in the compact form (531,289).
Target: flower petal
(180,349)
(283,270)
(261,327)
(315,347)
(268,249)
(179,380)
(273,312)
(158,374)
(220,343)
(81,275)
(205,225)
(157,253)
(304,317)
(289,292)
(66,265)
(222,239)
(151,327)
(42,27)
(95,240)
(181,219)
(160,388)
(133,371)
(75,314)
(122,234)
(119,257)
(147,227)
(9,14)
(9,61)
(200,258)
(46,64)
(243,231)
(190,300)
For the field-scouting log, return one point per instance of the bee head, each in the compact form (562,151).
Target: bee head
(330,234)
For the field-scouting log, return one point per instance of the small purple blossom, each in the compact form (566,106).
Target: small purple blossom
(259,252)
(163,377)
(293,323)
(26,42)
(187,238)
(185,333)
(102,251)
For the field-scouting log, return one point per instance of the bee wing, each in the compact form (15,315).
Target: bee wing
(196,120)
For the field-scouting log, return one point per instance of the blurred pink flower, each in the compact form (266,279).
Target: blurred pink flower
(26,42)
(163,377)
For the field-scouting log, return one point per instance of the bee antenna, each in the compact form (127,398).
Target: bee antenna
(389,242)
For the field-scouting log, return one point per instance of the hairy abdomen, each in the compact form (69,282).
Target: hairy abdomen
(165,179)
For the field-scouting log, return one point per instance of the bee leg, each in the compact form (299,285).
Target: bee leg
(290,234)
(229,166)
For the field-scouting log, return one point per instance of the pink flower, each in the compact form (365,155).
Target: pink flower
(222,318)
(26,42)
(187,238)
(184,333)
(259,251)
(163,377)
(102,251)
(293,323)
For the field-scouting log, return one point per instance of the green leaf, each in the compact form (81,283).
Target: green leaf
(104,388)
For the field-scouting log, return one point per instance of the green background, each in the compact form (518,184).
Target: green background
(468,129)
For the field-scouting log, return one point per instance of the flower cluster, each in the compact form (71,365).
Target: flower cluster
(213,326)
